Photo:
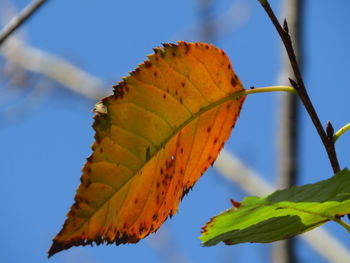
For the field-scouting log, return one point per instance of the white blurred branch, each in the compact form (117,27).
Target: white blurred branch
(53,67)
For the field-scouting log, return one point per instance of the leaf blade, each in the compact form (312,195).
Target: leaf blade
(281,215)
(180,103)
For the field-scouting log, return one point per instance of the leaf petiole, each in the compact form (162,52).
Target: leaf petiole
(340,132)
(270,89)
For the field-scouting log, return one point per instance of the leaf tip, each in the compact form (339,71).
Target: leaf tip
(55,247)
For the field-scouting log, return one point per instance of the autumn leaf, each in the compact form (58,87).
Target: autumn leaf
(282,214)
(155,136)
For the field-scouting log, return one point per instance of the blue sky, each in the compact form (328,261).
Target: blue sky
(44,150)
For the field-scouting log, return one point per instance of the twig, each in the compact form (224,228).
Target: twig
(300,86)
(18,20)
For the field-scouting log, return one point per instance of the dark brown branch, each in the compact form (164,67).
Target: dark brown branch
(300,86)
(17,21)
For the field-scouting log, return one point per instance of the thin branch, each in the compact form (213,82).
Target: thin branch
(300,86)
(251,182)
(18,20)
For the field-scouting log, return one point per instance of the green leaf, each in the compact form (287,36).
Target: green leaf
(282,214)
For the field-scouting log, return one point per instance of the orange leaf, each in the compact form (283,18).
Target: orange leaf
(160,131)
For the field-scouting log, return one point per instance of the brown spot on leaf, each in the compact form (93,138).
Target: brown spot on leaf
(136,71)
(187,48)
(142,228)
(148,64)
(233,81)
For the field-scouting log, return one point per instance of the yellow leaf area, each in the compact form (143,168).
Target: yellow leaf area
(163,127)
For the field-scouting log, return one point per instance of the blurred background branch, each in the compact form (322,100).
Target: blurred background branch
(289,121)
(53,67)
(216,26)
